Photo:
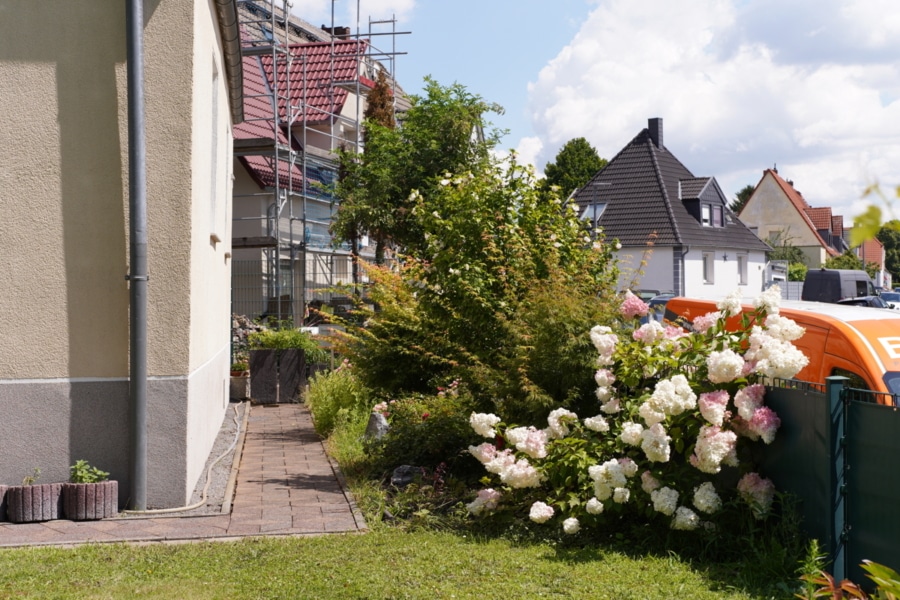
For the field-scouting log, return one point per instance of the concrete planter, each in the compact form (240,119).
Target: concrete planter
(240,385)
(36,502)
(90,501)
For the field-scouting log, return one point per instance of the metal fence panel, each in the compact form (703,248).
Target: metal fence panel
(799,459)
(873,477)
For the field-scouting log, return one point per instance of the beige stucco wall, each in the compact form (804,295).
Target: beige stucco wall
(64,238)
(770,211)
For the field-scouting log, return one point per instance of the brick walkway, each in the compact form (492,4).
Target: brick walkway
(285,485)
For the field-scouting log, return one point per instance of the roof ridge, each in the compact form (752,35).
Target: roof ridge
(653,149)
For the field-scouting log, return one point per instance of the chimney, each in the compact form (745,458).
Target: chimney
(656,131)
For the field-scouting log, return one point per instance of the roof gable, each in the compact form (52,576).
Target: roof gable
(646,191)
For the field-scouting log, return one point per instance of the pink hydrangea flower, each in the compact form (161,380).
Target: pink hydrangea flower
(713,406)
(765,423)
(748,399)
(704,322)
(758,492)
(714,446)
(633,306)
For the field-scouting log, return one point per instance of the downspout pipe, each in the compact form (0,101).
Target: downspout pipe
(138,275)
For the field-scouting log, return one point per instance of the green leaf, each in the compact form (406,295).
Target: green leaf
(865,226)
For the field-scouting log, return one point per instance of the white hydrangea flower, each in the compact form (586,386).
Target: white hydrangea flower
(540,512)
(685,519)
(783,328)
(631,433)
(557,421)
(724,366)
(597,424)
(571,526)
(655,443)
(706,499)
(521,474)
(621,495)
(483,424)
(665,500)
(731,304)
(769,300)
(594,506)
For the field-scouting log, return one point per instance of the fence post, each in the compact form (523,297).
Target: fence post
(834,386)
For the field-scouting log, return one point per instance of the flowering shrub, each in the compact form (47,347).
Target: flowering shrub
(675,411)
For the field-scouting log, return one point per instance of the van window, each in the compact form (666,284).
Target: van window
(856,381)
(862,288)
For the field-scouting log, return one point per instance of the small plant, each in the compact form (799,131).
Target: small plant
(83,472)
(283,339)
(30,479)
(240,366)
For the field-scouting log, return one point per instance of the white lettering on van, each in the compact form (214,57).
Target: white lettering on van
(891,346)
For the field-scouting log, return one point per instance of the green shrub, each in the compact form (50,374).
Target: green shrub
(427,430)
(331,392)
(283,339)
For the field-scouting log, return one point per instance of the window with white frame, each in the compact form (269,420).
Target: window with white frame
(742,269)
(705,215)
(709,267)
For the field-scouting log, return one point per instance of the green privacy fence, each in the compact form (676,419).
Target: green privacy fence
(838,451)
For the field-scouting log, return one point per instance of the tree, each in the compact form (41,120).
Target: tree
(575,164)
(847,260)
(440,133)
(500,294)
(782,248)
(740,199)
(889,236)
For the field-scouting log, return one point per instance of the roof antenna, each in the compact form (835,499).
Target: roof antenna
(775,168)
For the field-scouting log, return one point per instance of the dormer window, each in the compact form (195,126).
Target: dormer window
(712,215)
(592,212)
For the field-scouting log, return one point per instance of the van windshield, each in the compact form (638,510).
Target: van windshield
(892,381)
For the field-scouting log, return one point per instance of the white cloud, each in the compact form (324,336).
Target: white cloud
(741,86)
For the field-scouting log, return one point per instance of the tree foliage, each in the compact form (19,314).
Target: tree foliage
(440,133)
(783,248)
(740,199)
(499,293)
(574,166)
(889,236)
(849,261)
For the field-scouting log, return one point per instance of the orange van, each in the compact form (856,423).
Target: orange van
(858,342)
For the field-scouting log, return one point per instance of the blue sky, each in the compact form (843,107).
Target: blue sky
(811,86)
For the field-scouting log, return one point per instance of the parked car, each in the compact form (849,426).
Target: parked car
(892,298)
(657,306)
(873,301)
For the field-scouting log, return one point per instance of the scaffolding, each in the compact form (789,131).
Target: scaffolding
(298,81)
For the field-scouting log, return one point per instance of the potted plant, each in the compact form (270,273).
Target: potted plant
(89,494)
(239,388)
(278,363)
(33,501)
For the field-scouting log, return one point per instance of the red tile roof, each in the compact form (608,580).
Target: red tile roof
(316,74)
(821,217)
(871,251)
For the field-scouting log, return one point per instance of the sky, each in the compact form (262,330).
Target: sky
(811,87)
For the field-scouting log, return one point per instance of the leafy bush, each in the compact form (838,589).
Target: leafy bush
(331,392)
(425,431)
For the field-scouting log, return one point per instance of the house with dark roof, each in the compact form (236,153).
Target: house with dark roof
(675,229)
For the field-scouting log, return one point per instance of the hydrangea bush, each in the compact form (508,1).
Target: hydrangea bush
(676,412)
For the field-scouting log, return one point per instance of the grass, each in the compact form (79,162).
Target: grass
(380,564)
(420,554)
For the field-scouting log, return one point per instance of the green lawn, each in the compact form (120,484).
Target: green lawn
(379,564)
